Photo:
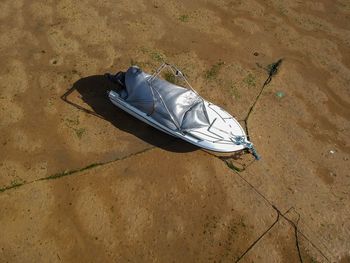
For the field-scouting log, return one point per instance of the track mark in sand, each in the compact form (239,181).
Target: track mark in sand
(93,165)
(297,231)
(278,217)
(74,171)
(278,212)
(258,239)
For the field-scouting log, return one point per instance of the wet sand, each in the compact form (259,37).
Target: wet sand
(82,180)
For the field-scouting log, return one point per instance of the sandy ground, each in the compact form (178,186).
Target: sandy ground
(81,181)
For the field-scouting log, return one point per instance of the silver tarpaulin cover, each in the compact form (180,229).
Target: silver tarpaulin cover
(171,105)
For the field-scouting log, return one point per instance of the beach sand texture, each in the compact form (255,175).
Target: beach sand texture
(82,181)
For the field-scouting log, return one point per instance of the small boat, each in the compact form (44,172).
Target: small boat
(176,110)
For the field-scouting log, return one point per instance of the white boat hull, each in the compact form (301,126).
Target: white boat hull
(221,136)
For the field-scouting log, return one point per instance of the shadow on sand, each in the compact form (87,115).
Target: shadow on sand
(93,91)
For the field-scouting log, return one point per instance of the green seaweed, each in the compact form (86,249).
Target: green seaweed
(72,121)
(65,173)
(250,80)
(80,132)
(14,184)
(168,76)
(235,92)
(157,56)
(184,18)
(213,72)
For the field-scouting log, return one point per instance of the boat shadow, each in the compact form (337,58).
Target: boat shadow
(93,91)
